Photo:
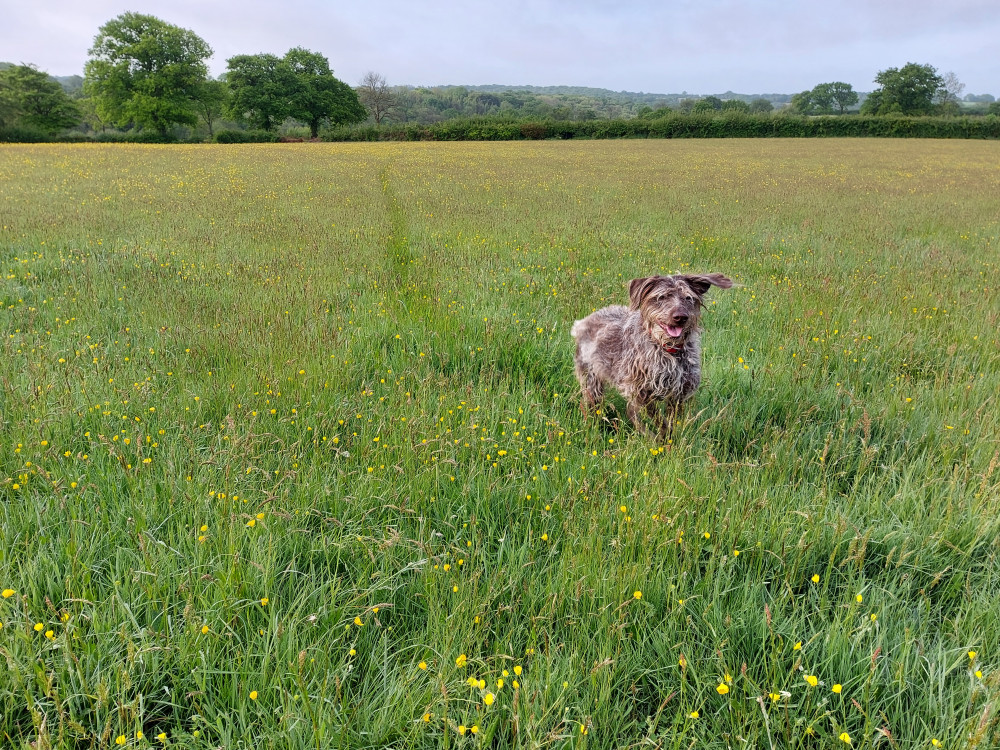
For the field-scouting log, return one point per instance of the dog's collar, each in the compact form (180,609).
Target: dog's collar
(673,349)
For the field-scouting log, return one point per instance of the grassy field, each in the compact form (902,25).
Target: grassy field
(291,453)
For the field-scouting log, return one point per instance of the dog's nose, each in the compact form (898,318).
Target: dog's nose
(680,319)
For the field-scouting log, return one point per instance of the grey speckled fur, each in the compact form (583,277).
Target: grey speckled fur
(650,352)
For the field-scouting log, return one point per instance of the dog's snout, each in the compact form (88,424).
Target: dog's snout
(680,319)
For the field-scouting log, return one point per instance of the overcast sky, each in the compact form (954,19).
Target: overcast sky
(669,46)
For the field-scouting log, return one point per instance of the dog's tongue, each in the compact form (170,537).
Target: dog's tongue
(674,331)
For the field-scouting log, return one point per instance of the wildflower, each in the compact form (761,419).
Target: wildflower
(517,670)
(264,601)
(50,635)
(516,685)
(8,593)
(797,646)
(422,665)
(358,622)
(120,739)
(253,695)
(139,735)
(812,680)
(460,661)
(472,682)
(845,737)
(837,688)
(461,729)
(39,627)
(815,578)
(499,684)
(972,654)
(694,714)
(775,697)
(474,729)
(859,598)
(204,629)
(936,742)
(162,736)
(979,674)
(352,652)
(637,595)
(722,689)
(427,718)
(488,699)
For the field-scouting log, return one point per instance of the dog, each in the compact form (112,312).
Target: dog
(649,351)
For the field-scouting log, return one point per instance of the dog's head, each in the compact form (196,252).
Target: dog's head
(671,305)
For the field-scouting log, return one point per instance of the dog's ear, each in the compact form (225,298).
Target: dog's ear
(700,283)
(639,288)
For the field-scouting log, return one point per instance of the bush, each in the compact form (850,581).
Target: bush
(728,124)
(245,136)
(21,134)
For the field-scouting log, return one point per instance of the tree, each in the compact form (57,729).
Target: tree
(211,101)
(950,93)
(802,103)
(35,99)
(380,100)
(843,95)
(909,90)
(145,71)
(736,105)
(317,95)
(260,86)
(761,106)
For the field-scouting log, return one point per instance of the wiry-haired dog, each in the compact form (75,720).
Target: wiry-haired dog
(649,351)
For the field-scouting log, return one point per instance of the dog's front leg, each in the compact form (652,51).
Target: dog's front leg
(634,411)
(659,420)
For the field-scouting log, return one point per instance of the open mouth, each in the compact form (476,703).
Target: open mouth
(673,331)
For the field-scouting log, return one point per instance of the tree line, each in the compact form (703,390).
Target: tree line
(148,77)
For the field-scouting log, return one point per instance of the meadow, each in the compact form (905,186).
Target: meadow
(291,451)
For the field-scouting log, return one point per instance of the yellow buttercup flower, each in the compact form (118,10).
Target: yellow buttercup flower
(845,737)
(815,578)
(694,714)
(637,595)
(812,680)
(722,689)
(837,688)
(8,593)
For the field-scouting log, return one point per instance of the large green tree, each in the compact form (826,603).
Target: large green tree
(318,95)
(266,89)
(33,98)
(259,86)
(146,72)
(211,101)
(909,90)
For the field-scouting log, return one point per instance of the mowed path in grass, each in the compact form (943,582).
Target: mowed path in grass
(291,454)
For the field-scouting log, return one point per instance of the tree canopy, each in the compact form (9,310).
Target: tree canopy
(909,90)
(145,71)
(32,98)
(266,89)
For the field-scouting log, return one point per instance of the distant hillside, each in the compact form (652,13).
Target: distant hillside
(428,105)
(630,96)
(72,85)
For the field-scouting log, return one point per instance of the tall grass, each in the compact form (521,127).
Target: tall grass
(292,457)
